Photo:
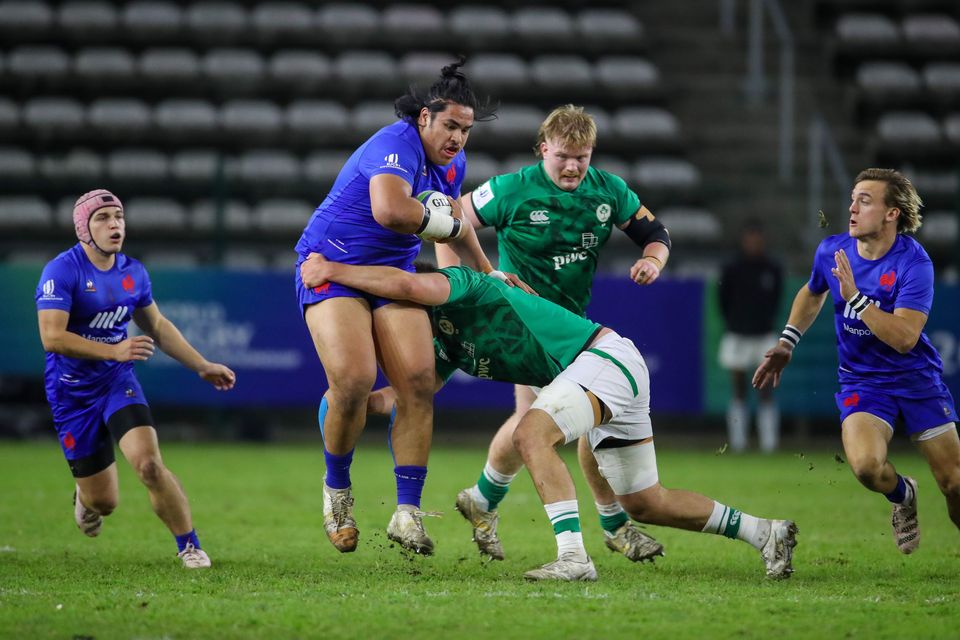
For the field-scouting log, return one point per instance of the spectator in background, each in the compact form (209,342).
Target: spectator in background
(749,296)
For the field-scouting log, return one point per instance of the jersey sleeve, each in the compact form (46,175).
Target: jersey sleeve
(818,279)
(146,295)
(445,368)
(388,153)
(56,287)
(916,288)
(460,280)
(628,202)
(490,200)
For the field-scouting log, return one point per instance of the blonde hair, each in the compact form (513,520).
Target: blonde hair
(569,126)
(900,193)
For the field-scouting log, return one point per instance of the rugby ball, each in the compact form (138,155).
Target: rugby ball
(435,203)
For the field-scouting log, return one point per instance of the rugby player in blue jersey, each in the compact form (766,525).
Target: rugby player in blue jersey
(85,300)
(881,281)
(372,216)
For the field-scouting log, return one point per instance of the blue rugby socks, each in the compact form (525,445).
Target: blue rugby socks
(188,538)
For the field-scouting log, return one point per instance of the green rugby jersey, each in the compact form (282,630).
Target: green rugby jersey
(551,238)
(491,330)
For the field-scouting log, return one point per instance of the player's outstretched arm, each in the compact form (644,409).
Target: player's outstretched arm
(56,339)
(806,307)
(466,248)
(171,341)
(428,289)
(648,233)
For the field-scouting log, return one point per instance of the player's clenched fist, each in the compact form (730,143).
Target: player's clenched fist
(134,348)
(220,376)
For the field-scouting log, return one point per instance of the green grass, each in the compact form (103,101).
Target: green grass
(258,512)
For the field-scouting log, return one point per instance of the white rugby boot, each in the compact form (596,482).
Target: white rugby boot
(484,525)
(567,567)
(777,551)
(633,543)
(338,519)
(194,558)
(88,520)
(406,528)
(906,527)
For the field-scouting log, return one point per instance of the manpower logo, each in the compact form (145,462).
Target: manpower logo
(107,319)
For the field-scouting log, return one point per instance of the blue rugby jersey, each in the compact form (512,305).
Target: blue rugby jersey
(343,228)
(100,304)
(903,278)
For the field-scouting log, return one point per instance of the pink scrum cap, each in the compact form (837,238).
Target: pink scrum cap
(85,207)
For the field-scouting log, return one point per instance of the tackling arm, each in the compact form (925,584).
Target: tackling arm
(467,247)
(428,289)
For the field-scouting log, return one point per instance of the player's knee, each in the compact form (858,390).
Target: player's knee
(534,435)
(104,505)
(349,395)
(418,385)
(150,470)
(868,470)
(948,481)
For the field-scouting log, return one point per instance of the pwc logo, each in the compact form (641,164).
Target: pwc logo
(888,279)
(852,400)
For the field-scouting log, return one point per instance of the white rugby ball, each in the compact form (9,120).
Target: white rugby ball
(435,203)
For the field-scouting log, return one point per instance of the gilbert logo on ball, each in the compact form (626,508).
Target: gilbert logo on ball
(436,203)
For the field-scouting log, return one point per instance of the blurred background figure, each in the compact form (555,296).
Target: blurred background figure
(749,296)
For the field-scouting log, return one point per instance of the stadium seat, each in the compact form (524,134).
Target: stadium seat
(119,118)
(612,164)
(515,161)
(940,228)
(267,168)
(173,68)
(908,131)
(316,121)
(198,167)
(423,68)
(888,83)
(604,122)
(627,77)
(87,20)
(16,164)
(480,168)
(498,72)
(691,224)
(934,185)
(609,30)
(358,72)
(321,168)
(282,216)
(283,23)
(137,166)
(236,216)
(18,212)
(480,27)
(63,212)
(54,118)
(562,74)
(9,117)
(152,21)
(671,174)
(935,34)
(646,127)
(865,33)
(369,117)
(233,71)
(951,130)
(248,121)
(35,258)
(348,24)
(38,64)
(299,71)
(109,68)
(413,25)
(215,23)
(942,80)
(544,27)
(154,214)
(516,123)
(72,168)
(25,20)
(186,119)
(170,259)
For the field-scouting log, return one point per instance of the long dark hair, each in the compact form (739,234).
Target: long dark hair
(452,88)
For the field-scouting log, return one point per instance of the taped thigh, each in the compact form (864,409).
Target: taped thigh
(567,403)
(628,469)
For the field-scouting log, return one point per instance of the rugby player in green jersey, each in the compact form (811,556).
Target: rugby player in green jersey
(551,219)
(592,382)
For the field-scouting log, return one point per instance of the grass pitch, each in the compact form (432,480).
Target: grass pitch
(258,512)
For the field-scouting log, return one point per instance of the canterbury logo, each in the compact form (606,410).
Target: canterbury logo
(107,319)
(539,217)
(848,311)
